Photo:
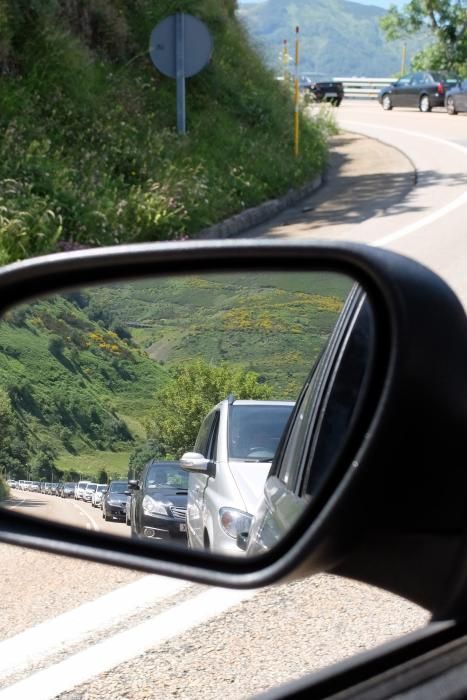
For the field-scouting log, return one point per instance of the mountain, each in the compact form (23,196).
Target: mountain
(338,37)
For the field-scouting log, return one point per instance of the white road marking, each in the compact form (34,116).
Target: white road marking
(38,642)
(434,216)
(101,657)
(93,524)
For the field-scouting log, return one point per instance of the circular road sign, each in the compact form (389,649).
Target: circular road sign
(197,46)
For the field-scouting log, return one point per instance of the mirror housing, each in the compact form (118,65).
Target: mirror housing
(195,462)
(133,484)
(389,515)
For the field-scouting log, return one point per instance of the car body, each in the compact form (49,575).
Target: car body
(89,491)
(114,500)
(96,499)
(422,89)
(323,89)
(68,489)
(158,504)
(456,98)
(228,467)
(12,483)
(80,489)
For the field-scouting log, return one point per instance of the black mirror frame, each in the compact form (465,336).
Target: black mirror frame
(343,536)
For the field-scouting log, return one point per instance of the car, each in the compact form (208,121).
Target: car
(12,483)
(89,491)
(80,489)
(456,98)
(96,499)
(323,89)
(422,89)
(158,504)
(114,500)
(228,467)
(68,489)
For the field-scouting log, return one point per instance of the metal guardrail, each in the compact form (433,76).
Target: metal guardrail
(363,88)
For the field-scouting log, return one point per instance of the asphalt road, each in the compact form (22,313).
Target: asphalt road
(80,630)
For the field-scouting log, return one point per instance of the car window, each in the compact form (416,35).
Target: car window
(202,441)
(405,80)
(168,476)
(118,487)
(255,431)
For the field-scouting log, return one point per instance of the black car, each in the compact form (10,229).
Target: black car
(114,501)
(456,98)
(323,89)
(423,89)
(159,502)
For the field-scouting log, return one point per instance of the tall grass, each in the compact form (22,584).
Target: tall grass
(89,152)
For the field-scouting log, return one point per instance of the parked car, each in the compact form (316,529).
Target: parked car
(114,501)
(424,90)
(456,98)
(68,489)
(157,508)
(12,483)
(80,489)
(324,89)
(228,468)
(89,491)
(96,500)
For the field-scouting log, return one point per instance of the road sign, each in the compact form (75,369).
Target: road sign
(180,46)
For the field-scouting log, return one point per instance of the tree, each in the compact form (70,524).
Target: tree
(142,453)
(195,388)
(445,21)
(102,477)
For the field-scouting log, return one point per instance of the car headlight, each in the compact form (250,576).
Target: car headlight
(152,507)
(234,521)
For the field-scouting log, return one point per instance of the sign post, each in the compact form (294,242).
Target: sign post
(180,46)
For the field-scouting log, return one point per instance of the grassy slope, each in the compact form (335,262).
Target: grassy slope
(273,324)
(88,149)
(78,387)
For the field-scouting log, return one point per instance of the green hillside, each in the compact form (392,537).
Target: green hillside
(338,37)
(80,373)
(89,153)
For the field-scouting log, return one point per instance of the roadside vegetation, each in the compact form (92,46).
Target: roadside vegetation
(89,153)
(99,380)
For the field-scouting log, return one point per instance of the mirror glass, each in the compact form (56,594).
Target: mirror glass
(160,409)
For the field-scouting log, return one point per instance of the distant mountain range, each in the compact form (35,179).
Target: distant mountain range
(338,37)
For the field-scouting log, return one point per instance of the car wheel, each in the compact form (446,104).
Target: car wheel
(424,104)
(451,106)
(387,102)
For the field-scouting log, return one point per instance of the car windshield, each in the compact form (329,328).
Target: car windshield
(118,487)
(255,431)
(101,488)
(167,476)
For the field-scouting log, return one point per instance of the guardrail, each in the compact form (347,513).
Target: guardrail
(363,88)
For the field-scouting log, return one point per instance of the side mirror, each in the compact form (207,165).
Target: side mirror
(133,485)
(195,462)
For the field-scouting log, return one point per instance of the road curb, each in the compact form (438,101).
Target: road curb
(259,215)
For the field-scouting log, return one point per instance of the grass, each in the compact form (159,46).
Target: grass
(88,149)
(89,464)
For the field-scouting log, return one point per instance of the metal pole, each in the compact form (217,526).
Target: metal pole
(404,58)
(180,70)
(296,95)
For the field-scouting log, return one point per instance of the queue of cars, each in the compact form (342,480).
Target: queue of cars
(425,90)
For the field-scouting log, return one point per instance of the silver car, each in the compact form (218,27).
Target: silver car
(228,468)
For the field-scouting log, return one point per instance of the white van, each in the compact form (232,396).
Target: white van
(228,469)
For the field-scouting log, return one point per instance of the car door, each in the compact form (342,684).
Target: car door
(399,93)
(197,482)
(418,82)
(461,97)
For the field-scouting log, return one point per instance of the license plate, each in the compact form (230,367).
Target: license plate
(330,94)
(182,527)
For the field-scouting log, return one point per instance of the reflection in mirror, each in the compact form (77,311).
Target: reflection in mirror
(154,409)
